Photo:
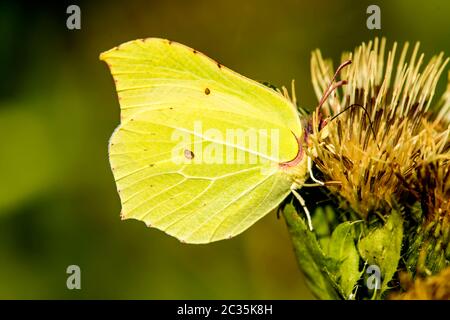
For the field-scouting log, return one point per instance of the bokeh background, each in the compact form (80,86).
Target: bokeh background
(58,107)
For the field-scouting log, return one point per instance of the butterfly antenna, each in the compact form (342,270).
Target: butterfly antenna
(332,87)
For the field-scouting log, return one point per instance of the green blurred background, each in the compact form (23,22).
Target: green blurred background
(58,107)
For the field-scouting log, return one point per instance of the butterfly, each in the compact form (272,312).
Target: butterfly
(201,152)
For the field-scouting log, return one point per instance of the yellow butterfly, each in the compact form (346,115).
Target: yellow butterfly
(202,152)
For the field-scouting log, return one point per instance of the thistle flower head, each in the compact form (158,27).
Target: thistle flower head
(390,131)
(443,107)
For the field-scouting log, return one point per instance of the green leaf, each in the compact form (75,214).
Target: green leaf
(382,247)
(310,257)
(342,248)
(324,221)
(321,227)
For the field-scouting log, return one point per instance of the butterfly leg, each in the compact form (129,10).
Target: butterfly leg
(303,204)
(311,173)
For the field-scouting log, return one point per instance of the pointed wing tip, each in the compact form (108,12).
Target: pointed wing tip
(102,56)
(105,55)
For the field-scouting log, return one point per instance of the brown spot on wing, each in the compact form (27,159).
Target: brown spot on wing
(188,154)
(207,91)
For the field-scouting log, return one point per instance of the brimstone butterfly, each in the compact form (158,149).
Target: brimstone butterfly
(178,108)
